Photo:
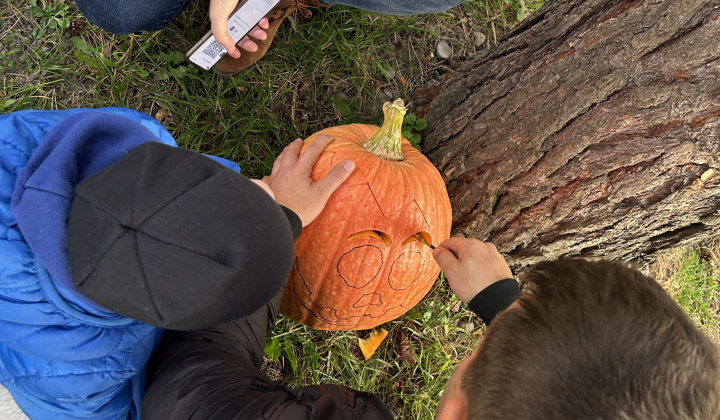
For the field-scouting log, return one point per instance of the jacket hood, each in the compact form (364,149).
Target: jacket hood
(76,148)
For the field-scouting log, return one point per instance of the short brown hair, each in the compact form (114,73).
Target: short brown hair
(593,340)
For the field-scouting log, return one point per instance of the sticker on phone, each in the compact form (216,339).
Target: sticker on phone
(208,51)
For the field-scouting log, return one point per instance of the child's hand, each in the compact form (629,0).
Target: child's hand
(262,184)
(294,188)
(220,11)
(477,265)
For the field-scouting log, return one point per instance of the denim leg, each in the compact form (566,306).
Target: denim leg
(399,7)
(127,16)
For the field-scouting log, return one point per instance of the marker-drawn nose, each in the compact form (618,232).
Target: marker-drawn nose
(374,299)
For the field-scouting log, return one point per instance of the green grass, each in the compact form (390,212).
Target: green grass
(320,72)
(691,275)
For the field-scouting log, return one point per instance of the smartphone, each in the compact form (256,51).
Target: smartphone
(247,14)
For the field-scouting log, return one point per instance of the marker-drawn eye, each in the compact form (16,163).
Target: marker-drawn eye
(423,237)
(359,266)
(401,271)
(374,234)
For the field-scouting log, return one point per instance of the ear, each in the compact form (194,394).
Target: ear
(456,408)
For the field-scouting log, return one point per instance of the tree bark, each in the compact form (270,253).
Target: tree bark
(592,130)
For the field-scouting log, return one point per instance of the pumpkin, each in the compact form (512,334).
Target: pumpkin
(370,345)
(365,260)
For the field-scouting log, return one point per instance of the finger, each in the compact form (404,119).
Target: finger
(220,31)
(445,259)
(337,175)
(290,154)
(458,244)
(248,45)
(313,152)
(258,33)
(277,164)
(264,23)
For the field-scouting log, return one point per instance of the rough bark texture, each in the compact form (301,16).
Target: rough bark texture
(592,130)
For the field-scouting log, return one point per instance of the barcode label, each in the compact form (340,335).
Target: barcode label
(213,49)
(240,23)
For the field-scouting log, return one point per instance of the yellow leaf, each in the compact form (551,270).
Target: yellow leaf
(370,344)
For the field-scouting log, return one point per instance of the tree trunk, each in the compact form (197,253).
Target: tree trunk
(592,130)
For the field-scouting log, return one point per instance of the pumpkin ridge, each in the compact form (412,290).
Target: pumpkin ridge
(380,206)
(421,212)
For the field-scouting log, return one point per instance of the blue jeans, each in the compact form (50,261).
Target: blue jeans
(126,16)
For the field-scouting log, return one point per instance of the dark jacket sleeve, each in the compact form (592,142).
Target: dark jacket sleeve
(495,299)
(214,374)
(295,222)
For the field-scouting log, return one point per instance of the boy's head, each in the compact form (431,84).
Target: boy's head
(588,340)
(175,239)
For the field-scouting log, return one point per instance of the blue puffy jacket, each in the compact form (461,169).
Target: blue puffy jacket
(61,355)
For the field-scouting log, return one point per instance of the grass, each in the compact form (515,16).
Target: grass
(335,68)
(692,277)
(331,69)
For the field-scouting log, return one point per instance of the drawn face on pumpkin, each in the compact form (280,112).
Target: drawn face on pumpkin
(378,260)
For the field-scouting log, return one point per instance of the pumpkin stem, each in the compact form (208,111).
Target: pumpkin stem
(387,142)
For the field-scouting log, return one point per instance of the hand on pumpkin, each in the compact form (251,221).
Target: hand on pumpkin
(293,186)
(220,11)
(470,265)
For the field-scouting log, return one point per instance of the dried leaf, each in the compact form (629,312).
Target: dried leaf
(709,175)
(470,326)
(705,255)
(405,349)
(77,26)
(402,80)
(162,114)
(107,50)
(372,342)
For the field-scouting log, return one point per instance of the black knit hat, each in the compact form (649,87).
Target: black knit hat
(172,238)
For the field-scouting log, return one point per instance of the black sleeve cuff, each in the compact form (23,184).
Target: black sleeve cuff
(495,299)
(295,222)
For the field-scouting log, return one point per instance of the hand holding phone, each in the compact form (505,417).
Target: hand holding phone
(246,15)
(220,11)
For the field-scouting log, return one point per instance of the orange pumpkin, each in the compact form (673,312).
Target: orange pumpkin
(362,262)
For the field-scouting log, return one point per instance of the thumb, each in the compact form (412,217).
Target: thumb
(218,26)
(445,259)
(226,41)
(334,179)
